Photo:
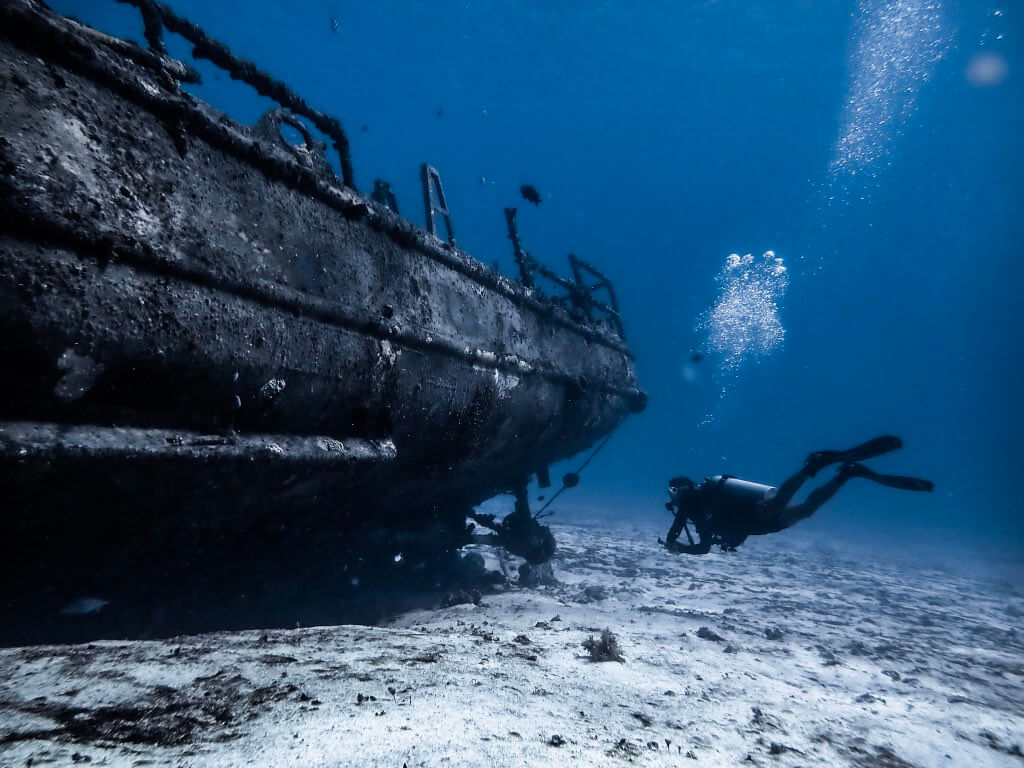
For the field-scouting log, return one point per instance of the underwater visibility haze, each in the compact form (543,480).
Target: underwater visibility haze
(811,214)
(873,146)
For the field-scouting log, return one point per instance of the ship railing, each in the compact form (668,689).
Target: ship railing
(580,299)
(156,18)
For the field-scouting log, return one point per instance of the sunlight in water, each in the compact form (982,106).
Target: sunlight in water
(897,44)
(744,322)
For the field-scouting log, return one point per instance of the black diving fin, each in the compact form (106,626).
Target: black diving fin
(893,481)
(874,447)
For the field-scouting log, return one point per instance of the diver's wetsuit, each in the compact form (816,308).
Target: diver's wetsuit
(727,520)
(725,511)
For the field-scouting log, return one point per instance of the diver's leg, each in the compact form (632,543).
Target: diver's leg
(784,494)
(792,515)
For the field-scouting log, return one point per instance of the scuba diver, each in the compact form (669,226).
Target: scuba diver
(725,510)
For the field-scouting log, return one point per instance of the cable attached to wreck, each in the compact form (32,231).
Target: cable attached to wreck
(572,479)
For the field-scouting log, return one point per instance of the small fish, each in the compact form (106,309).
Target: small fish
(84,606)
(364,127)
(335,24)
(697,357)
(530,193)
(440,111)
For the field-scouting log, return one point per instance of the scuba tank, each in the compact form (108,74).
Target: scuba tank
(726,488)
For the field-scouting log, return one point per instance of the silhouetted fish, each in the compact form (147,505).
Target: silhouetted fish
(697,357)
(335,23)
(530,193)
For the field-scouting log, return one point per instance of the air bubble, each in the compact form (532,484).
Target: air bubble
(744,322)
(898,43)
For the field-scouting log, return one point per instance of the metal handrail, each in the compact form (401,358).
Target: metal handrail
(579,295)
(156,18)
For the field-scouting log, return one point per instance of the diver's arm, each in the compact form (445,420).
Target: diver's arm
(688,549)
(671,542)
(678,526)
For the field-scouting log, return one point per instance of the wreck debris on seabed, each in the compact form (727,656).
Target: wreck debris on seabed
(233,381)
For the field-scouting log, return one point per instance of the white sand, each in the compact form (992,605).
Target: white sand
(880,664)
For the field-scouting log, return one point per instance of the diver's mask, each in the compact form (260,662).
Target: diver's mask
(679,488)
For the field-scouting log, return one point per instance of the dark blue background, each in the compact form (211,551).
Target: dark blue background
(665,135)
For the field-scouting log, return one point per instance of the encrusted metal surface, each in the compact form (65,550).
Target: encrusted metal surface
(168,276)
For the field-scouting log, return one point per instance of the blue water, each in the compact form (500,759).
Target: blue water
(665,136)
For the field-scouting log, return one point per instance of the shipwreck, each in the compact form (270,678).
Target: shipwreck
(233,384)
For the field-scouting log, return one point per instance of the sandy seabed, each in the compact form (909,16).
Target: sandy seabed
(785,653)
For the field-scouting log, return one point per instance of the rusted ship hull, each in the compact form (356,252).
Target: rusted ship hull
(222,361)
